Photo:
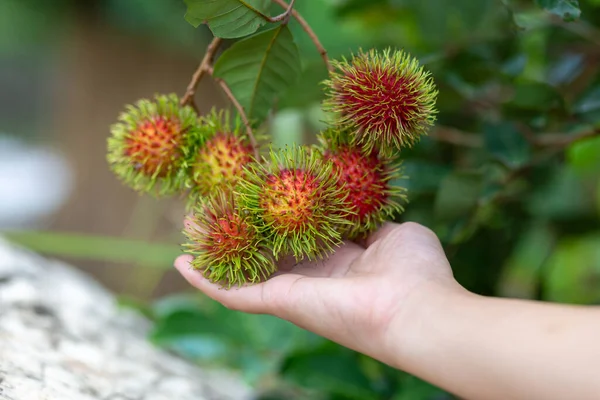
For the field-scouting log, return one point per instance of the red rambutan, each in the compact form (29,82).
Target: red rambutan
(150,145)
(220,162)
(228,248)
(368,179)
(386,100)
(297,202)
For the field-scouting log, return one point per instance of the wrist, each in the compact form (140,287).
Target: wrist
(423,318)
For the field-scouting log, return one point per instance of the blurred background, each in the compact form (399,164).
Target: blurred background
(509,178)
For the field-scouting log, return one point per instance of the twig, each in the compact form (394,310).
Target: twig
(472,140)
(580,28)
(454,136)
(205,65)
(240,111)
(306,27)
(562,140)
(285,15)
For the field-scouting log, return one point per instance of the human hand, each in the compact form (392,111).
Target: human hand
(356,295)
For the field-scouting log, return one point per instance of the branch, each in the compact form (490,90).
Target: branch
(306,27)
(285,15)
(580,28)
(561,140)
(203,68)
(240,111)
(457,137)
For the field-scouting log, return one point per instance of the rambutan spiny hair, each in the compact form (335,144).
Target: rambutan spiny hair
(295,199)
(227,246)
(150,147)
(219,163)
(369,179)
(385,99)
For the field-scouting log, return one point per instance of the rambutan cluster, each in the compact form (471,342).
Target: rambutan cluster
(247,212)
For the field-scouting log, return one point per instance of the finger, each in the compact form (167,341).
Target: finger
(296,298)
(405,232)
(382,232)
(230,298)
(262,298)
(408,241)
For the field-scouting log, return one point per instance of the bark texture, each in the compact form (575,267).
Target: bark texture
(62,337)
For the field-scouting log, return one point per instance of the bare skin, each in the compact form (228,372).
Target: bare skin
(396,300)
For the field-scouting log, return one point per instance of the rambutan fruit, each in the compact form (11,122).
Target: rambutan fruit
(385,99)
(150,147)
(219,163)
(296,201)
(228,248)
(369,180)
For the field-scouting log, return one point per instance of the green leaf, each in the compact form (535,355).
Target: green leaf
(423,176)
(536,96)
(413,388)
(260,68)
(551,199)
(505,143)
(530,19)
(189,322)
(574,271)
(457,195)
(520,275)
(287,127)
(566,9)
(598,197)
(227,18)
(112,249)
(331,369)
(132,303)
(584,156)
(257,331)
(590,101)
(190,326)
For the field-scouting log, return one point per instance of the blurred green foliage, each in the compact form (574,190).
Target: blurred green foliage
(513,196)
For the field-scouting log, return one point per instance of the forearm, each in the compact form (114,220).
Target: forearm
(485,348)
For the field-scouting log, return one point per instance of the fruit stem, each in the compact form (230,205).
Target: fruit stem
(306,27)
(240,111)
(203,68)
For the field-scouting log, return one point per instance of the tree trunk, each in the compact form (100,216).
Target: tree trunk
(62,337)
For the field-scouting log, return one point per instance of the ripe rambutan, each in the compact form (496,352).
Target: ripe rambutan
(297,203)
(220,162)
(386,100)
(228,248)
(367,178)
(150,146)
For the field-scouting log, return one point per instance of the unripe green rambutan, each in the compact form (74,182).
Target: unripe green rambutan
(297,202)
(220,162)
(228,248)
(150,146)
(386,100)
(367,178)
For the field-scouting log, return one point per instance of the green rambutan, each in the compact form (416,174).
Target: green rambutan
(367,178)
(220,162)
(297,203)
(150,146)
(228,248)
(385,99)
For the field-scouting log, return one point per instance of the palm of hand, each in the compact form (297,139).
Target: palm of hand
(352,296)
